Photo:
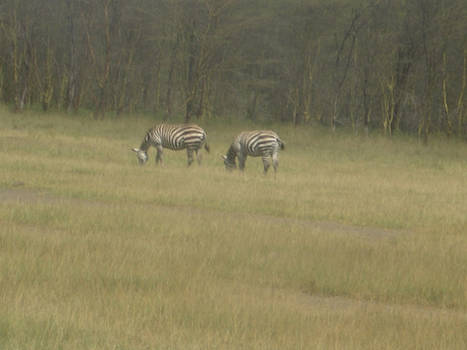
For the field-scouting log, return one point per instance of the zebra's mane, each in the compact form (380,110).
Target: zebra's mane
(231,154)
(146,141)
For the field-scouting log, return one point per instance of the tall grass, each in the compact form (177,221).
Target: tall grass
(357,243)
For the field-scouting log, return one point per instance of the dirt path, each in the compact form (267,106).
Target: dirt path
(346,304)
(18,193)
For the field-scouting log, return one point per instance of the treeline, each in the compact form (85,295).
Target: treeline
(396,65)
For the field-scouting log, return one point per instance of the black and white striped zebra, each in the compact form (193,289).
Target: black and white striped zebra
(175,137)
(258,143)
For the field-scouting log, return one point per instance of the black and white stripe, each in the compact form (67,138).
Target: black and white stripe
(175,137)
(259,143)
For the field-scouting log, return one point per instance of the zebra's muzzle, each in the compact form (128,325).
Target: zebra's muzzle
(141,155)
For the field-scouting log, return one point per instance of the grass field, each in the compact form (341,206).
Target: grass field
(358,243)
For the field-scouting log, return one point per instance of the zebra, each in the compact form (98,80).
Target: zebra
(175,137)
(257,143)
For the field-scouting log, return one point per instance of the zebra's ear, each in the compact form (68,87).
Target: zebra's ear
(223,157)
(135,150)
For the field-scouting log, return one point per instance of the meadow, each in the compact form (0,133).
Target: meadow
(357,243)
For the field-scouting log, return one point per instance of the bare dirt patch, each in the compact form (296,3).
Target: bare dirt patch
(19,194)
(346,304)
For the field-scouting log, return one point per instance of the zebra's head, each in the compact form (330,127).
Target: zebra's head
(229,164)
(142,155)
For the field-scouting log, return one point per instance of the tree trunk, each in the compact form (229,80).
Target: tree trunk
(168,96)
(191,79)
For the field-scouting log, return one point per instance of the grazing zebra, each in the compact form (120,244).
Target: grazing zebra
(174,137)
(265,144)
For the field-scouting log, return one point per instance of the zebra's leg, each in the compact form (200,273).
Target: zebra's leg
(189,153)
(241,161)
(275,161)
(198,156)
(266,164)
(159,154)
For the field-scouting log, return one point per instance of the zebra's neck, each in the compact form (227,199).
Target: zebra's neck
(231,154)
(146,142)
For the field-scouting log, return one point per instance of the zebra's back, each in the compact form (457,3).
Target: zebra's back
(259,142)
(178,136)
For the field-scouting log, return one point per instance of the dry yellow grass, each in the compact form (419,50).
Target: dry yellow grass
(357,244)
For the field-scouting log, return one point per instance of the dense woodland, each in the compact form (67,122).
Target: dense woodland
(389,65)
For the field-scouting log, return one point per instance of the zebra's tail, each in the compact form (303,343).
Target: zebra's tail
(204,139)
(281,144)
